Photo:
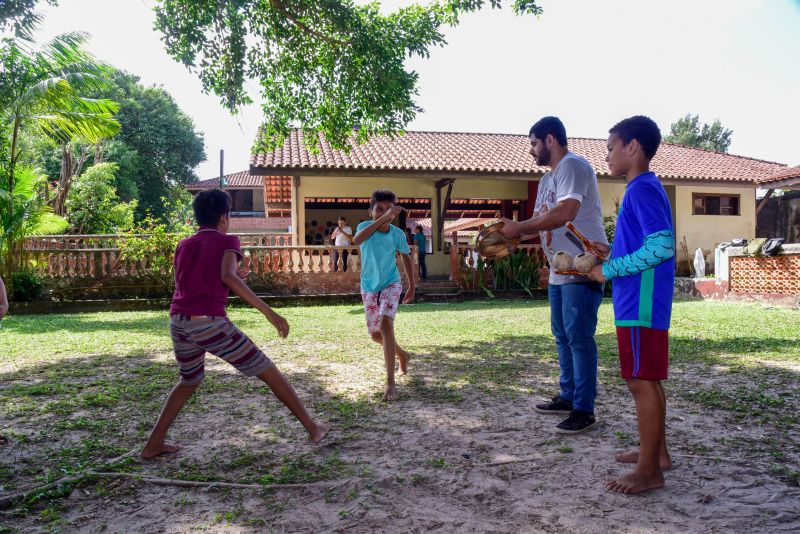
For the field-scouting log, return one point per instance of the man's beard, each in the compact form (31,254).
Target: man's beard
(543,158)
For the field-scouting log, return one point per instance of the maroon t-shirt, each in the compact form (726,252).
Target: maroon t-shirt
(198,273)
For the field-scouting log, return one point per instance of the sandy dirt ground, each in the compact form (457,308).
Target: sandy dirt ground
(485,463)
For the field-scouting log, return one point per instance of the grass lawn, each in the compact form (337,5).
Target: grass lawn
(76,390)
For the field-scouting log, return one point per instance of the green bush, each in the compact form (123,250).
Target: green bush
(26,285)
(517,271)
(157,249)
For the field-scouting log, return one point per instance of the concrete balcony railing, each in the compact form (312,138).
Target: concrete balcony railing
(93,272)
(112,241)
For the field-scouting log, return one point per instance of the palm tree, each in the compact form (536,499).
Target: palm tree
(46,91)
(30,215)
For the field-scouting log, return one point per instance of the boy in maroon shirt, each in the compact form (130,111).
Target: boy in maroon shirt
(206,267)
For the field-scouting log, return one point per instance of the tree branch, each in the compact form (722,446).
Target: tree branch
(277,4)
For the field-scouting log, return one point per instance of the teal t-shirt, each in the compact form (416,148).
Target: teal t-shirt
(378,257)
(420,241)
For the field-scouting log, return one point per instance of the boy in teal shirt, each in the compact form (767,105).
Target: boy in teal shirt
(380,241)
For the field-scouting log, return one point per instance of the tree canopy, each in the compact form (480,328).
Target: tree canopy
(20,16)
(157,148)
(688,131)
(327,66)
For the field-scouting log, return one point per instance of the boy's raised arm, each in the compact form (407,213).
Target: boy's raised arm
(231,278)
(364,234)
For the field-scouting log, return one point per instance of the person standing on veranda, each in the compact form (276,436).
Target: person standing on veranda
(342,236)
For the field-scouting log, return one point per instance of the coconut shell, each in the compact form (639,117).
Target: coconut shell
(562,261)
(584,262)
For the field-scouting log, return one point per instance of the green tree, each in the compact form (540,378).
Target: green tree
(45,91)
(24,214)
(688,131)
(157,148)
(328,66)
(93,206)
(20,16)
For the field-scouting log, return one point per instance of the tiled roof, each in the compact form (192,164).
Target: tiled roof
(276,188)
(791,173)
(498,154)
(241,179)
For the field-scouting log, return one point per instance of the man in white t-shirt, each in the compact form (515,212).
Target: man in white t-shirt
(342,237)
(567,192)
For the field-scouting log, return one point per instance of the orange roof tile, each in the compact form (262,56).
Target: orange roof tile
(276,188)
(792,174)
(498,154)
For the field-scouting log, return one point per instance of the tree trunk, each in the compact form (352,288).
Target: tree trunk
(70,168)
(65,178)
(9,260)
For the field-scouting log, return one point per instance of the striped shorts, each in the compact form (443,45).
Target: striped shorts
(217,335)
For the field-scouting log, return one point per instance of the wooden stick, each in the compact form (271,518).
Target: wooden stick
(720,458)
(587,245)
(208,484)
(510,461)
(8,500)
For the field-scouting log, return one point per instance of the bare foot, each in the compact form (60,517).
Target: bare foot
(320,432)
(636,483)
(389,393)
(148,453)
(632,457)
(403,357)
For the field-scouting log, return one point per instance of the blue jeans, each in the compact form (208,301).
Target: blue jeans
(573,320)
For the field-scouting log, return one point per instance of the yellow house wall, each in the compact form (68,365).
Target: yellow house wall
(707,231)
(611,194)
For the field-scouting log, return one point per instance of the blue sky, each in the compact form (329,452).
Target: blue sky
(590,62)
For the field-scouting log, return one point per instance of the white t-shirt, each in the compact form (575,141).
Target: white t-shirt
(341,239)
(572,178)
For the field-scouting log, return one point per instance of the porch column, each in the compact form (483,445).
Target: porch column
(298,236)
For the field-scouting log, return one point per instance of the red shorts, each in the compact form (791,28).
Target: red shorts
(643,352)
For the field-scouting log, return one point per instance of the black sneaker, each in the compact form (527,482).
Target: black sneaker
(556,406)
(576,423)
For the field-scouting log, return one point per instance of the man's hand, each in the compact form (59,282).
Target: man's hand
(601,247)
(596,274)
(3,310)
(409,298)
(280,324)
(510,228)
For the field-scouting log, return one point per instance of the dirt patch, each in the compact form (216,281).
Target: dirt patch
(461,450)
(480,464)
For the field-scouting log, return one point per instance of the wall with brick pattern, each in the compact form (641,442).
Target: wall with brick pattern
(774,274)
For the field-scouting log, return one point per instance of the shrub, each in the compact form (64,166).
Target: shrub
(156,249)
(93,206)
(26,285)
